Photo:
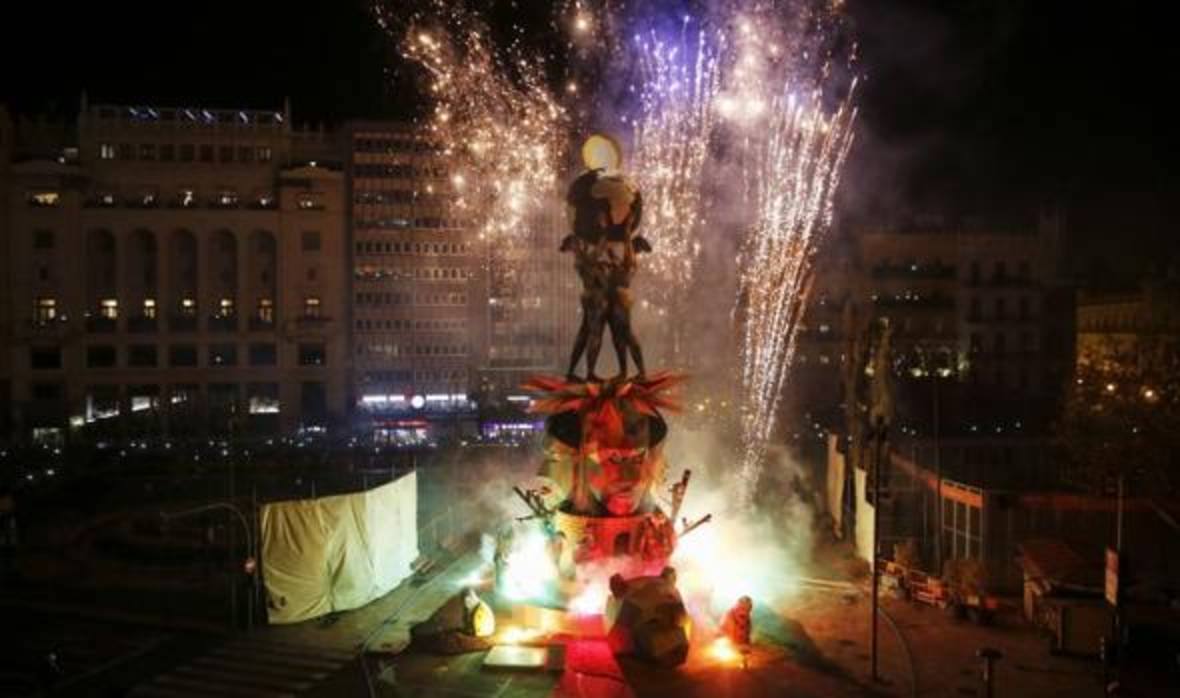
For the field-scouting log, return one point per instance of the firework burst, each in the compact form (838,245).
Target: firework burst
(793,151)
(672,135)
(500,128)
(753,79)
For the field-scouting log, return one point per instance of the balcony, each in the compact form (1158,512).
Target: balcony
(183,323)
(913,271)
(264,204)
(224,323)
(307,322)
(936,301)
(142,324)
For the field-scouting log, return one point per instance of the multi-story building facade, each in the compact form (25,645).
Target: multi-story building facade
(177,271)
(986,309)
(419,290)
(446,325)
(1140,328)
(532,308)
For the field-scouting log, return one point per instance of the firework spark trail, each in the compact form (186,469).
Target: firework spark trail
(796,174)
(793,152)
(495,116)
(500,127)
(672,135)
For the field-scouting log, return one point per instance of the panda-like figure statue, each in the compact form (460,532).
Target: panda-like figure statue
(646,617)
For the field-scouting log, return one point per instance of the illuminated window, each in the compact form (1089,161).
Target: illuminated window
(308,202)
(311,307)
(109,308)
(149,307)
(188,306)
(142,403)
(45,310)
(225,307)
(106,151)
(44,198)
(186,198)
(264,404)
(266,310)
(264,154)
(227,197)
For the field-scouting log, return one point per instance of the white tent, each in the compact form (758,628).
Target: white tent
(338,553)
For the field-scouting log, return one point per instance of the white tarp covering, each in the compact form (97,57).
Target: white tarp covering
(864,518)
(338,553)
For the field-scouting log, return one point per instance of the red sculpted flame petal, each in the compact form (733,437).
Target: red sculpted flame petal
(647,396)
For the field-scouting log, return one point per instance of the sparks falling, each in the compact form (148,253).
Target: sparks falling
(672,135)
(795,151)
(495,120)
(749,74)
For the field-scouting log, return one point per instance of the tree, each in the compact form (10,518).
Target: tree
(1121,417)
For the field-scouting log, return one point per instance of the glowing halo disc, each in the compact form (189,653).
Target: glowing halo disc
(601,152)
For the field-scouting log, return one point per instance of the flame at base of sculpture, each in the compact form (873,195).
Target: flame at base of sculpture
(596,528)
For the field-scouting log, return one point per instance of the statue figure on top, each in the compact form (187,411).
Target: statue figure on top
(605,210)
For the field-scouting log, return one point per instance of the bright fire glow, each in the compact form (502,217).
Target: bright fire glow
(723,650)
(528,569)
(591,601)
(730,557)
(795,152)
(499,127)
(516,635)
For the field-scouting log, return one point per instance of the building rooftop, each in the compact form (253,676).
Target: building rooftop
(109,114)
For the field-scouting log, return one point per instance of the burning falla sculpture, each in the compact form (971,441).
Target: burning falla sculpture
(604,439)
(604,453)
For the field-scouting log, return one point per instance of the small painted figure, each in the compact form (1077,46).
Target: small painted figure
(736,624)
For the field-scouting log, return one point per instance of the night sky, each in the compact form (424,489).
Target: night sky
(984,106)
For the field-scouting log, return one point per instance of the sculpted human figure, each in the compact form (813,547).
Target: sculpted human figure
(606,208)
